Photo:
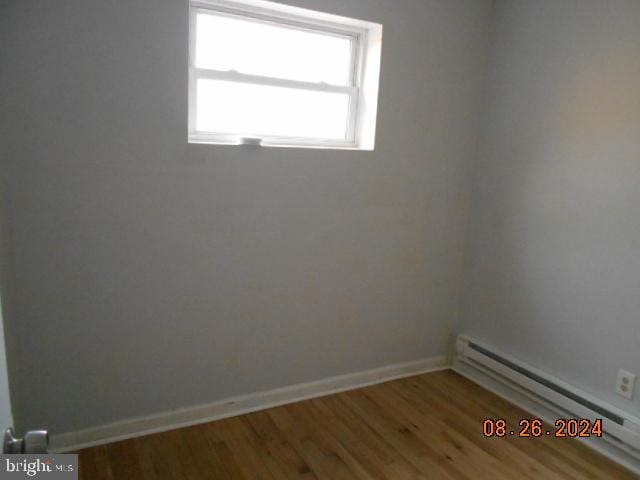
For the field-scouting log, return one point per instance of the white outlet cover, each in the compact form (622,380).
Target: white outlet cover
(625,384)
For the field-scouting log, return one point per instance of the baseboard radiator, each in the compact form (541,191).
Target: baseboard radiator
(620,428)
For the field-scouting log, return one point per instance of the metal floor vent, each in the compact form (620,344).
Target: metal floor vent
(34,441)
(557,397)
(550,385)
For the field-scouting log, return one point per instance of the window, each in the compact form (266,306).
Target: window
(274,75)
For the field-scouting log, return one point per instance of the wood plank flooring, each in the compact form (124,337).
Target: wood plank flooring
(423,427)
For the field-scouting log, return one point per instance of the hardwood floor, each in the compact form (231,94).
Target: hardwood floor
(424,427)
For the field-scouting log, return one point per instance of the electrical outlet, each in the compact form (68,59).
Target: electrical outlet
(625,384)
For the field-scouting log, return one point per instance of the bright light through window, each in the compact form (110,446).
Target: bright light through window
(258,48)
(281,75)
(259,110)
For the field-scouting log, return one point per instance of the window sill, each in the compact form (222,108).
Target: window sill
(275,143)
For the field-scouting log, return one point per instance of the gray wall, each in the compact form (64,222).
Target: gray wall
(151,274)
(6,418)
(555,264)
(6,273)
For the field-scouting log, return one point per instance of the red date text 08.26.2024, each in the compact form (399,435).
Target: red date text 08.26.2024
(534,427)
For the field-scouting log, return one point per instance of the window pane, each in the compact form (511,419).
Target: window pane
(259,48)
(248,109)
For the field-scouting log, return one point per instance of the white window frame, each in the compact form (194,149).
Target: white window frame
(366,38)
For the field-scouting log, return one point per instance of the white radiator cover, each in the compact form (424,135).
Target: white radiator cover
(621,429)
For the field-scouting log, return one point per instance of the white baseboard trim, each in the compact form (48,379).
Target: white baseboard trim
(540,410)
(231,407)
